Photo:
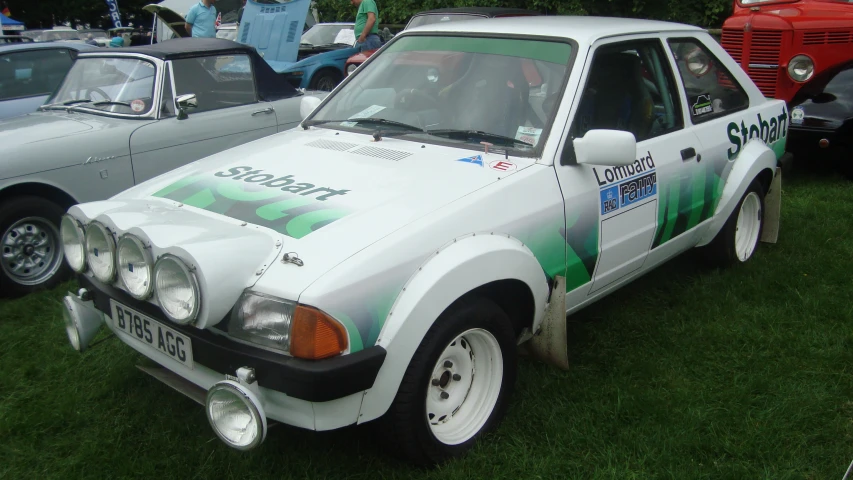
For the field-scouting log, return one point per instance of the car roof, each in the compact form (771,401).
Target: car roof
(180,48)
(12,47)
(487,11)
(582,29)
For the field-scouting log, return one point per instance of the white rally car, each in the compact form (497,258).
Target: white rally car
(457,196)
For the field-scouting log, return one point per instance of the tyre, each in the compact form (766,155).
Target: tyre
(457,386)
(31,256)
(739,237)
(325,80)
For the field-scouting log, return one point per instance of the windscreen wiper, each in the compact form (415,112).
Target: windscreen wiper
(375,121)
(470,134)
(63,104)
(110,102)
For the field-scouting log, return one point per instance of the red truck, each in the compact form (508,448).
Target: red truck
(801,51)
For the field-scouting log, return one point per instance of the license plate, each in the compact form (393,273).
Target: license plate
(152,333)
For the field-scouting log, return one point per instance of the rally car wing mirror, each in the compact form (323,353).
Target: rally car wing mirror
(307,105)
(186,102)
(612,148)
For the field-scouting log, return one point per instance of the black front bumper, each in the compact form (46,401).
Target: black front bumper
(311,380)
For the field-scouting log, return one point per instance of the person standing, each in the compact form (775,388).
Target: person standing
(201,20)
(366,25)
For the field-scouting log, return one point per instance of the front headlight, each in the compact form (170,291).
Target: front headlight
(100,252)
(801,68)
(177,289)
(262,320)
(351,68)
(73,243)
(135,267)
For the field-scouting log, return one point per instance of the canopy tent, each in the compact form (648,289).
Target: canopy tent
(9,24)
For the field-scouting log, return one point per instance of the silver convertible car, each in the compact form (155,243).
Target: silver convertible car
(120,117)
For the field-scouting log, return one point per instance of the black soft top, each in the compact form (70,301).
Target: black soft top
(183,48)
(271,86)
(487,11)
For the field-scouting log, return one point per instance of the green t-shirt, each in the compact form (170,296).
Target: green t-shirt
(361,17)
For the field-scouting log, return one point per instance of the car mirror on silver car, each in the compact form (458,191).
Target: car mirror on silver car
(612,148)
(184,102)
(307,105)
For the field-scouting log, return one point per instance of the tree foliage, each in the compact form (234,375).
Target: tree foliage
(705,13)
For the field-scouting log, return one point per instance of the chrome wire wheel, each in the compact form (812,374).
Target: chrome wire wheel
(464,387)
(30,253)
(748,226)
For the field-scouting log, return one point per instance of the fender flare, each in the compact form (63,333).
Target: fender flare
(455,269)
(755,158)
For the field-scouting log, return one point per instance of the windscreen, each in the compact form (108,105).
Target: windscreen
(108,85)
(443,88)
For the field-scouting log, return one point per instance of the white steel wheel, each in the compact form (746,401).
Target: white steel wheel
(464,386)
(748,226)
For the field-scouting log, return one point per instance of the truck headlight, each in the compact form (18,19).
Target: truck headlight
(262,320)
(177,289)
(135,267)
(801,68)
(73,243)
(100,252)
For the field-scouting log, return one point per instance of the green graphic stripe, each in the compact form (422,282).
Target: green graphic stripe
(355,341)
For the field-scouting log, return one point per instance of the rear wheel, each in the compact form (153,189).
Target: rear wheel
(31,255)
(456,387)
(325,80)
(738,240)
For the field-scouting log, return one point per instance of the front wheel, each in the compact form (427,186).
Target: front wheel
(30,247)
(738,240)
(457,385)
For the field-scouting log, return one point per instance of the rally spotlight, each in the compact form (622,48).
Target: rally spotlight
(82,322)
(236,415)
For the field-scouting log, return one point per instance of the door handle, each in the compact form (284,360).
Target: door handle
(266,110)
(688,153)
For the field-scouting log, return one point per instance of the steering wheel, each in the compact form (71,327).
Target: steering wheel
(411,99)
(97,90)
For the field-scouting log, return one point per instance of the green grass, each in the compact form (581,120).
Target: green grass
(690,373)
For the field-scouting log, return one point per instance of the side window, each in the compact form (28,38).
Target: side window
(167,103)
(630,87)
(217,81)
(37,72)
(711,90)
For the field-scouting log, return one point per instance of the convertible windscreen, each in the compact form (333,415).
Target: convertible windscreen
(112,85)
(460,90)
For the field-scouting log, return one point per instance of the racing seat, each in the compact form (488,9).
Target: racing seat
(616,97)
(493,96)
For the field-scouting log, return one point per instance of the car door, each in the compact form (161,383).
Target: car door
(27,78)
(228,114)
(615,213)
(718,110)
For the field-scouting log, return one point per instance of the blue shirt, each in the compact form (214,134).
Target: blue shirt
(203,20)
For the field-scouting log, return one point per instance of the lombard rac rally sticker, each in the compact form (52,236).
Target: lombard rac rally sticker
(528,134)
(476,160)
(798,115)
(137,106)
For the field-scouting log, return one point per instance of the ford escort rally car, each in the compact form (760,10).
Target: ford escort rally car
(459,197)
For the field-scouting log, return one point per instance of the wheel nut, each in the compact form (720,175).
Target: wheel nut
(435,382)
(457,377)
(448,364)
(445,395)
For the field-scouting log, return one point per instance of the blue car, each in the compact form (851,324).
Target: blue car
(30,72)
(323,53)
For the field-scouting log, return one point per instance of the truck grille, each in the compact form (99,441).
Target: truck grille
(765,80)
(765,47)
(827,38)
(732,42)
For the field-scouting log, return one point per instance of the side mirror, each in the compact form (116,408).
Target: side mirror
(185,102)
(611,148)
(307,105)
